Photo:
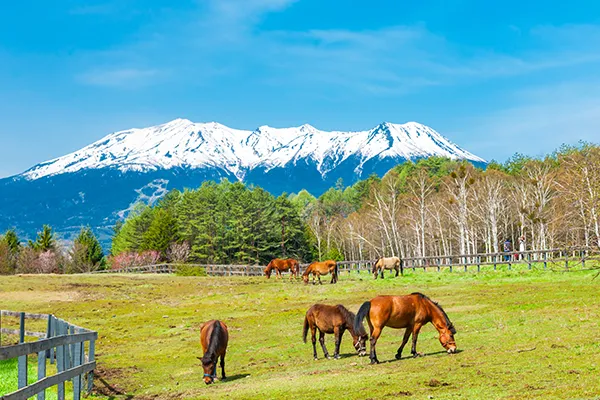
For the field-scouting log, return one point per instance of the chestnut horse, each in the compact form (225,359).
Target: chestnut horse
(410,312)
(319,268)
(213,338)
(280,265)
(333,319)
(382,263)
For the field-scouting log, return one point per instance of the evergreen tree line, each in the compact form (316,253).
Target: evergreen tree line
(46,255)
(218,223)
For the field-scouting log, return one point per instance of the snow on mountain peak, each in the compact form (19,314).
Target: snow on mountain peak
(183,143)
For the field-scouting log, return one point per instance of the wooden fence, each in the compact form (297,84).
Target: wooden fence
(566,258)
(63,344)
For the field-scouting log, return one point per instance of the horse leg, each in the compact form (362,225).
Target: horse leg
(397,271)
(322,341)
(313,332)
(382,269)
(375,333)
(338,340)
(223,367)
(319,277)
(415,333)
(407,334)
(375,274)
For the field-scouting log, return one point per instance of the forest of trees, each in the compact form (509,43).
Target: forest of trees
(431,207)
(435,206)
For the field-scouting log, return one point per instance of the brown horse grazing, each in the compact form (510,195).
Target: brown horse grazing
(319,268)
(333,319)
(213,338)
(280,265)
(382,263)
(410,312)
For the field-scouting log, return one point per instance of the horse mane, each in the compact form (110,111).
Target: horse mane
(349,316)
(448,322)
(214,342)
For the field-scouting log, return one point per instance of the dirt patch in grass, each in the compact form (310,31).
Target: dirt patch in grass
(40,296)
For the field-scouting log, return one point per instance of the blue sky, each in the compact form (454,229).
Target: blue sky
(495,77)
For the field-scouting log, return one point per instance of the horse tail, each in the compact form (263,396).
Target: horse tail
(363,311)
(336,270)
(305,329)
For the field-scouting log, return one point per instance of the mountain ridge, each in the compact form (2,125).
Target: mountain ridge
(186,144)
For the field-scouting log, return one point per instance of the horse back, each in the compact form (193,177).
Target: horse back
(395,311)
(325,317)
(206,330)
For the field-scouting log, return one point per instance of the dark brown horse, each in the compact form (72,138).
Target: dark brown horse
(280,265)
(319,268)
(213,338)
(333,319)
(410,312)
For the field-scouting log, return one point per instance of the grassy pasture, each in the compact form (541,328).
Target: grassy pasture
(521,334)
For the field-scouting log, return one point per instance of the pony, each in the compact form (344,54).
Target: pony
(384,263)
(280,265)
(410,312)
(213,338)
(336,320)
(319,268)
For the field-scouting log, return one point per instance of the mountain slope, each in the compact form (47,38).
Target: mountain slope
(99,183)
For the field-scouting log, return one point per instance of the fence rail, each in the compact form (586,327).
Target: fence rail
(544,258)
(63,344)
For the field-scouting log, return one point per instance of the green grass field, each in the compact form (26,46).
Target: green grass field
(521,334)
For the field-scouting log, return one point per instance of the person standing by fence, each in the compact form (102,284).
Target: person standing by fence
(522,247)
(507,249)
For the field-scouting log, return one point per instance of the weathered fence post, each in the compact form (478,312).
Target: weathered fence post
(76,363)
(42,371)
(92,357)
(60,359)
(22,359)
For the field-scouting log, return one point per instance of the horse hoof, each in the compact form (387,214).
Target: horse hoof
(374,361)
(336,357)
(315,358)
(398,356)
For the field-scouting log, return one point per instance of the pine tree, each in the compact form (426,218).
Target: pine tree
(12,240)
(94,254)
(161,232)
(45,239)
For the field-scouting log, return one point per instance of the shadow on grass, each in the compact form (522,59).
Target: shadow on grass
(425,355)
(231,378)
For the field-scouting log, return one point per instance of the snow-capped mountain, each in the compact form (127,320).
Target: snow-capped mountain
(185,144)
(100,183)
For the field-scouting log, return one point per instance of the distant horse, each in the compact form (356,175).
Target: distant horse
(333,319)
(213,338)
(383,263)
(410,312)
(319,268)
(280,265)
